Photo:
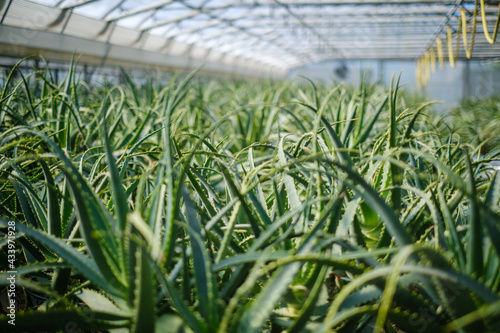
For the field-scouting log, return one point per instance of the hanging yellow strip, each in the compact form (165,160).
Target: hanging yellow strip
(451,57)
(427,67)
(433,59)
(468,50)
(422,71)
(422,74)
(439,46)
(485,25)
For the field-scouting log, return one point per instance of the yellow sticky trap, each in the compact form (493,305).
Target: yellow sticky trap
(468,48)
(427,66)
(490,40)
(451,57)
(439,46)
(433,59)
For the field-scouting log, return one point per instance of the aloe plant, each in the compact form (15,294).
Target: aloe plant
(477,122)
(223,206)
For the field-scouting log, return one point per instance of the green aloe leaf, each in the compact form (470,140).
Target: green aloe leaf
(55,226)
(78,260)
(373,199)
(96,223)
(50,321)
(204,277)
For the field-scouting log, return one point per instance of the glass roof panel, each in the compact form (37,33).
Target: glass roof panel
(49,2)
(96,9)
(289,32)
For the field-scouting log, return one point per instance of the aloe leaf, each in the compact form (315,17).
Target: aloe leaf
(392,115)
(363,107)
(170,323)
(187,315)
(216,216)
(308,307)
(32,268)
(204,278)
(278,223)
(5,96)
(456,247)
(390,287)
(78,260)
(247,257)
(351,114)
(253,318)
(490,220)
(63,132)
(374,200)
(32,218)
(119,198)
(34,250)
(442,274)
(453,297)
(95,223)
(99,302)
(30,203)
(246,282)
(348,218)
(53,209)
(429,199)
(133,87)
(413,120)
(474,242)
(258,188)
(246,208)
(361,296)
(136,132)
(487,311)
(50,321)
(337,144)
(144,303)
(493,194)
(293,197)
(102,251)
(368,128)
(228,235)
(172,192)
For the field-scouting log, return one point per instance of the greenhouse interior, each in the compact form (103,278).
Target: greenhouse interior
(250,166)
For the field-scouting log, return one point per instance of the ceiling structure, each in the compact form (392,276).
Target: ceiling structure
(260,35)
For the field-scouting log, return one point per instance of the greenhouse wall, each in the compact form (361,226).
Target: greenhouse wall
(474,78)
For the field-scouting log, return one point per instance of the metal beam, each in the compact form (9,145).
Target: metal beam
(5,12)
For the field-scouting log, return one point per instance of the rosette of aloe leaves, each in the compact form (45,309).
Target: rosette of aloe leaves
(216,205)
